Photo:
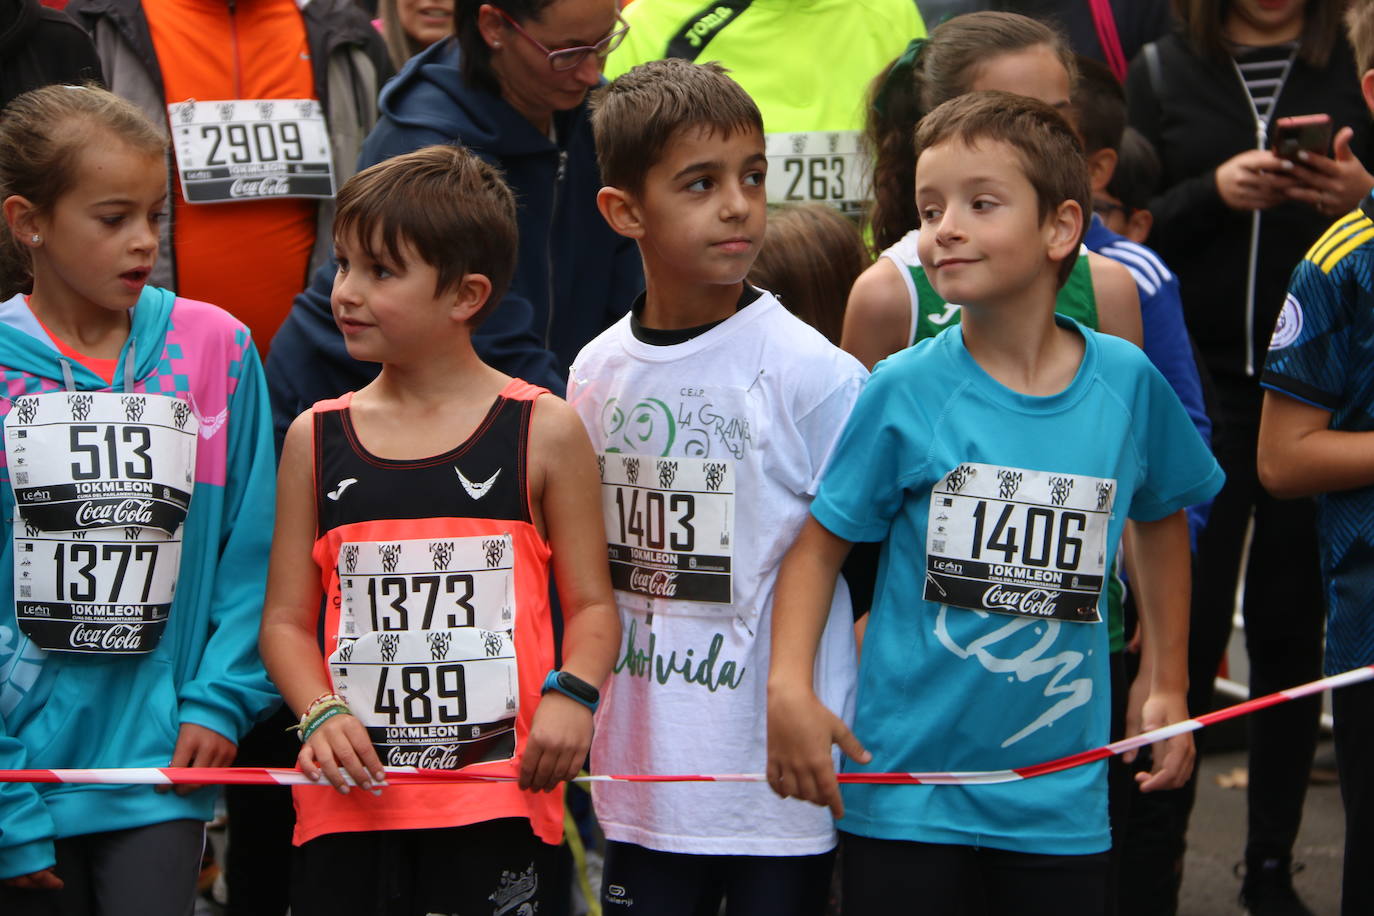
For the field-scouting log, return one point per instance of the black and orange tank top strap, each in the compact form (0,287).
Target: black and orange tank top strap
(483,477)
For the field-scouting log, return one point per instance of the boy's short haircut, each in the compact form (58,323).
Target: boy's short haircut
(1359,25)
(1101,105)
(1137,174)
(1051,156)
(636,116)
(450,207)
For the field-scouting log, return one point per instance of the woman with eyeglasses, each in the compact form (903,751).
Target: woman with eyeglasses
(511,85)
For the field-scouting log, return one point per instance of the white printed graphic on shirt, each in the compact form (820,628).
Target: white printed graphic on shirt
(1030,545)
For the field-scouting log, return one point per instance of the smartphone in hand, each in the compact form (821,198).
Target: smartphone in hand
(1301,133)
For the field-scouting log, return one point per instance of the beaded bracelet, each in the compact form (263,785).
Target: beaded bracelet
(322,702)
(323,717)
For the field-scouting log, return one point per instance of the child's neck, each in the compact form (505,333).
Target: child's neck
(97,332)
(1020,345)
(672,306)
(427,407)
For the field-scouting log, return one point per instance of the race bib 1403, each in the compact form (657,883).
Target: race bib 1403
(670,526)
(1016,541)
(250,149)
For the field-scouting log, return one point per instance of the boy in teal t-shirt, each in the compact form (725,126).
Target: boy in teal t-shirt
(998,463)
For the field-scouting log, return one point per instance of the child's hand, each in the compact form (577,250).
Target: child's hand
(800,732)
(1173,759)
(1333,184)
(341,741)
(45,880)
(559,738)
(198,746)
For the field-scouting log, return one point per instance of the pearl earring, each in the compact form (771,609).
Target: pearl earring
(496,44)
(36,238)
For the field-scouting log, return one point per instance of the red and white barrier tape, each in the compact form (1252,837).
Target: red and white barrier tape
(268,776)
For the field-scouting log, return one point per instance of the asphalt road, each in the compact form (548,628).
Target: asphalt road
(1216,842)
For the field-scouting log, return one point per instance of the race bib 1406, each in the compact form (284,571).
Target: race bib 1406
(250,149)
(1016,541)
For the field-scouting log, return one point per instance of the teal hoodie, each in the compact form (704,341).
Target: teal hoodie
(59,709)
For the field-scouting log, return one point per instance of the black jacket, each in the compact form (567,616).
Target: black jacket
(41,46)
(1198,115)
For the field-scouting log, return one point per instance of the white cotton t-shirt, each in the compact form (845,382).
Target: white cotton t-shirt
(710,453)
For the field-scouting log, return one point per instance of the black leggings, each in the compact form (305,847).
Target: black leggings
(895,877)
(1353,710)
(653,883)
(496,866)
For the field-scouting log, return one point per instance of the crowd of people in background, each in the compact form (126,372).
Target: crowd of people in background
(937,375)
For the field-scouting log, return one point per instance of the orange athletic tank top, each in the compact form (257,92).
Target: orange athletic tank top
(400,545)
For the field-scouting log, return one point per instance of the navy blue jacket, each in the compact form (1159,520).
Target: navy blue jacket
(573,277)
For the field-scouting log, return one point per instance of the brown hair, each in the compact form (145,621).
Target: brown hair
(1201,22)
(475,57)
(1047,146)
(400,47)
(811,256)
(1359,25)
(1101,105)
(452,208)
(42,135)
(639,114)
(945,67)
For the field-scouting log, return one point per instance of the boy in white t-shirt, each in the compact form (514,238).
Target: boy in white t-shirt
(713,409)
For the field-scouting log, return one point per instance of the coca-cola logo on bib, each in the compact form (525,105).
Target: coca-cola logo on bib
(272,186)
(658,583)
(109,638)
(124,512)
(434,757)
(1040,602)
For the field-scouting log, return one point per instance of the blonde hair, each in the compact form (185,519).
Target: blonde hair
(1359,26)
(42,136)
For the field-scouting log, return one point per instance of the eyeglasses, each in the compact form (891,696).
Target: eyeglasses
(568,58)
(1107,208)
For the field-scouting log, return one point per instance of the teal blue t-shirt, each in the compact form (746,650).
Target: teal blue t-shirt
(999,515)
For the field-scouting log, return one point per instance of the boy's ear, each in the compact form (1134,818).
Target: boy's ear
(1367,89)
(1063,230)
(1139,224)
(468,297)
(21,217)
(1101,168)
(621,212)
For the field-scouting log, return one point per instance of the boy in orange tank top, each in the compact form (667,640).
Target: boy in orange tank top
(425,510)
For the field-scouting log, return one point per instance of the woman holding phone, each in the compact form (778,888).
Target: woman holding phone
(1232,219)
